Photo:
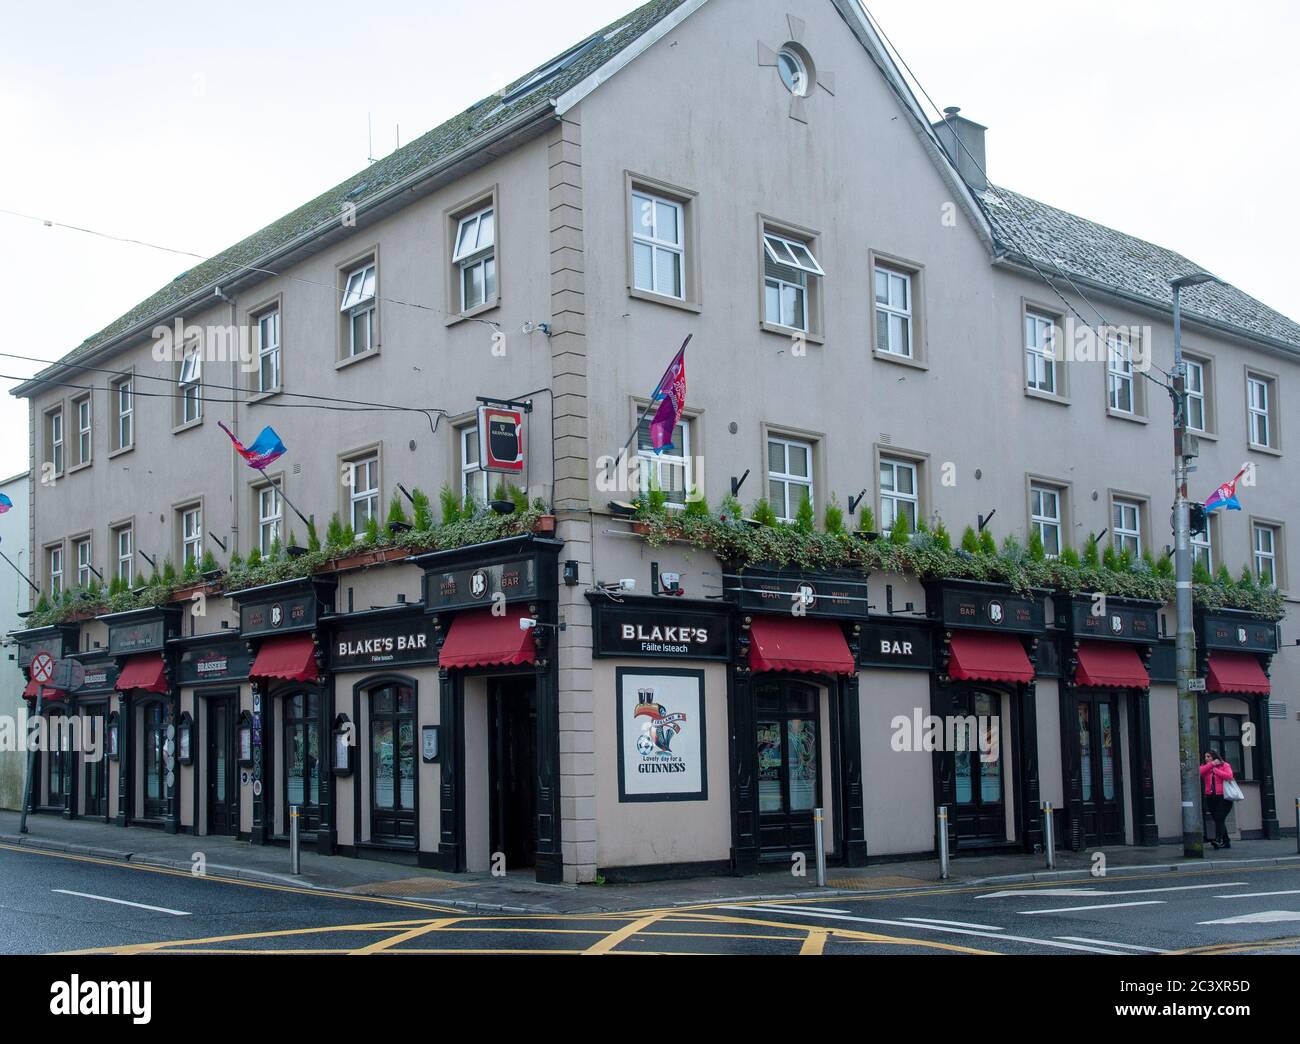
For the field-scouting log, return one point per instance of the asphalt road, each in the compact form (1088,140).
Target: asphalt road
(57,903)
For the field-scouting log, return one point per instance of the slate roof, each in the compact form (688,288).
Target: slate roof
(1057,239)
(456,133)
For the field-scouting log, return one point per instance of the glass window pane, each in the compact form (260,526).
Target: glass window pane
(642,262)
(487,230)
(802,763)
(776,456)
(668,273)
(666,228)
(770,757)
(799,460)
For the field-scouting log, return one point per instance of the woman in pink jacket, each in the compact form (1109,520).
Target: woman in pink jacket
(1214,772)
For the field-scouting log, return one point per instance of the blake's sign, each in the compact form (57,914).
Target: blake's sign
(655,632)
(379,644)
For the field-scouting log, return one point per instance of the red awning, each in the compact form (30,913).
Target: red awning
(977,656)
(1236,672)
(804,646)
(1110,667)
(479,639)
(292,658)
(29,693)
(143,672)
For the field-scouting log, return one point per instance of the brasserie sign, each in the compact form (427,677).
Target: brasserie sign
(224,661)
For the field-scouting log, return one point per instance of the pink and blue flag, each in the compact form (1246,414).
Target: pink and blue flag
(5,503)
(1225,496)
(266,448)
(670,393)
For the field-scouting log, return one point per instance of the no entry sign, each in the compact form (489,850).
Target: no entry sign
(42,667)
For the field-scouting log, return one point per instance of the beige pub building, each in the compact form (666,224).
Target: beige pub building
(872,325)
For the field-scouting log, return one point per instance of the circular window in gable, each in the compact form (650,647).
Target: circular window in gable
(796,70)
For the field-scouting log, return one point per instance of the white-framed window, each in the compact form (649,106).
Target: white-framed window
(359,308)
(1119,373)
(789,272)
(1259,404)
(1195,388)
(794,72)
(658,245)
(270,517)
(54,433)
(1040,353)
(190,384)
(191,535)
(124,545)
(671,470)
(83,563)
(1203,549)
(123,396)
(268,351)
(84,429)
(54,565)
(1126,526)
(789,475)
(475,258)
(473,480)
(363,494)
(899,492)
(1045,516)
(1265,540)
(893,311)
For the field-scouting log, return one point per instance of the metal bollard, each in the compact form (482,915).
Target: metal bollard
(295,856)
(943,842)
(821,847)
(1049,835)
(1297,826)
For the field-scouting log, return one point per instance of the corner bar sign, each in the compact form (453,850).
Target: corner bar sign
(501,439)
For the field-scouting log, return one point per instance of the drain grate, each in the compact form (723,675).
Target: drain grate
(408,886)
(870,883)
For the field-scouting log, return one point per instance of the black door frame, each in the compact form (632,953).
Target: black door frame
(311,823)
(364,690)
(815,684)
(229,697)
(1095,697)
(496,802)
(90,710)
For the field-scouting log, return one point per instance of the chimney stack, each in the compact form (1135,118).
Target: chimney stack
(963,141)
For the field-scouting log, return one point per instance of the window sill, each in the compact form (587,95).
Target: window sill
(790,332)
(1042,396)
(120,450)
(262,396)
(664,299)
(900,360)
(80,467)
(352,360)
(1207,435)
(1132,418)
(1255,447)
(473,313)
(197,422)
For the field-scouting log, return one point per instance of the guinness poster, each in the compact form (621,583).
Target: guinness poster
(661,742)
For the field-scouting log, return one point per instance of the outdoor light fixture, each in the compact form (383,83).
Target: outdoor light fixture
(571,573)
(184,739)
(112,730)
(341,760)
(244,731)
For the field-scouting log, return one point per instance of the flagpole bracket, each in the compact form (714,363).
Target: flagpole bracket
(510,404)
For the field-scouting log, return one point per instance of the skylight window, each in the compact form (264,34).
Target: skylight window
(551,71)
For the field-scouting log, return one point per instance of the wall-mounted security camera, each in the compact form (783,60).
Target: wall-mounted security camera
(628,584)
(527,623)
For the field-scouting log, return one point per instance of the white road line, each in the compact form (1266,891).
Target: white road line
(1023,892)
(958,924)
(806,909)
(915,926)
(1107,942)
(1098,906)
(1263,917)
(122,902)
(1258,895)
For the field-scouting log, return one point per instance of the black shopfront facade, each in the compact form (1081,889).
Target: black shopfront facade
(1108,660)
(495,628)
(986,644)
(797,636)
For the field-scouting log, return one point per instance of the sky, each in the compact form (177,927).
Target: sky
(192,125)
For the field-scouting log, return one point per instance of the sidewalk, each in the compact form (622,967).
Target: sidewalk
(519,893)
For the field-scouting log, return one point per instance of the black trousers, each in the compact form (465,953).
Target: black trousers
(1219,807)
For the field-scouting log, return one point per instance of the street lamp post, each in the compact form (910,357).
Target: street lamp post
(1185,643)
